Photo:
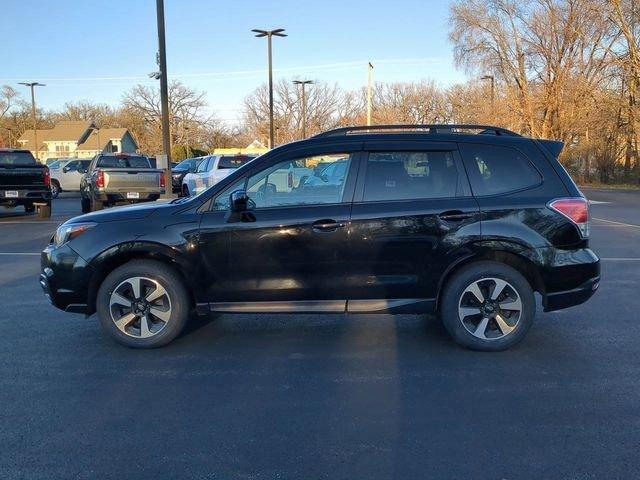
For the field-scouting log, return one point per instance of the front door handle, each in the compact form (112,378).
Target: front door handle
(455,215)
(326,225)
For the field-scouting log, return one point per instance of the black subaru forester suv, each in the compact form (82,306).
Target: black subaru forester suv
(467,221)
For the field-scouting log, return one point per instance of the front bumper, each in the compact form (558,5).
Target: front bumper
(65,278)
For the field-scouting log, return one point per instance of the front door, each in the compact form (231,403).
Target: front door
(291,251)
(411,211)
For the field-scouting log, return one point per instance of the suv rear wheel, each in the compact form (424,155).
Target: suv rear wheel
(488,306)
(143,304)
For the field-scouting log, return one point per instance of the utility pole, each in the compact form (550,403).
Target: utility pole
(164,91)
(492,79)
(32,86)
(278,32)
(304,83)
(369,87)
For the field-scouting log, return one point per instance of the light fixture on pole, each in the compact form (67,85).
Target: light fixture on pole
(278,32)
(304,83)
(32,86)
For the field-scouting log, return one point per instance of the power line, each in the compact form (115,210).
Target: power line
(235,74)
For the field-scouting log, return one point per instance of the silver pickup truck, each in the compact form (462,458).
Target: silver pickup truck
(119,179)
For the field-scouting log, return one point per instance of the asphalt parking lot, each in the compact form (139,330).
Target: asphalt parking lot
(322,397)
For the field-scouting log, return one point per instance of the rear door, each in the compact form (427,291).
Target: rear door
(412,211)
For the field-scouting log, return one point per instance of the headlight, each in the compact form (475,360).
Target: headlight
(66,233)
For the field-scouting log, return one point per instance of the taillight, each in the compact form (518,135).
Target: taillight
(575,209)
(46,176)
(163,181)
(100,179)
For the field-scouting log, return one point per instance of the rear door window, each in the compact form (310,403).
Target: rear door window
(410,175)
(495,169)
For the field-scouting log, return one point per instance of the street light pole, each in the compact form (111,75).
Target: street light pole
(164,89)
(369,87)
(492,79)
(32,86)
(304,83)
(278,32)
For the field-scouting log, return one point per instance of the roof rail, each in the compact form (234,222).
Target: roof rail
(435,128)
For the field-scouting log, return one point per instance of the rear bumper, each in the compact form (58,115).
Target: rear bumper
(24,196)
(571,298)
(64,278)
(571,277)
(123,197)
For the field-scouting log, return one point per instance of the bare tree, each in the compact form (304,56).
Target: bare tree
(141,107)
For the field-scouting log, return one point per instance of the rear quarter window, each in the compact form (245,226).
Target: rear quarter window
(123,162)
(17,159)
(495,169)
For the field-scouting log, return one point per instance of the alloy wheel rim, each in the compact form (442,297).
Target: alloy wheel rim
(490,308)
(140,307)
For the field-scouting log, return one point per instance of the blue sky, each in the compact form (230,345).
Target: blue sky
(90,50)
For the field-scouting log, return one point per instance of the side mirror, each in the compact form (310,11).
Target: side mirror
(240,202)
(65,169)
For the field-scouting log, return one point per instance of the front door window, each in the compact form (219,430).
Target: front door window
(303,181)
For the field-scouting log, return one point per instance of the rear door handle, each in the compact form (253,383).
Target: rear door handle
(455,215)
(326,225)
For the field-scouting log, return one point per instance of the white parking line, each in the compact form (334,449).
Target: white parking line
(28,222)
(23,254)
(597,202)
(622,224)
(620,259)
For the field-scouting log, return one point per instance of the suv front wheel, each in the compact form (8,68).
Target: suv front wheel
(488,306)
(143,304)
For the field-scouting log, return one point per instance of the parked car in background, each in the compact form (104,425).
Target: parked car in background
(113,179)
(211,170)
(66,175)
(24,182)
(178,172)
(466,221)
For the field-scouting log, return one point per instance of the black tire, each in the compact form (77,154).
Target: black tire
(29,208)
(168,279)
(44,211)
(55,189)
(85,204)
(452,299)
(96,205)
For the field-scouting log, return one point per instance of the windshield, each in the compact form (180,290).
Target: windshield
(17,158)
(187,164)
(123,162)
(233,161)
